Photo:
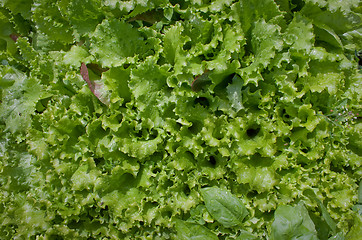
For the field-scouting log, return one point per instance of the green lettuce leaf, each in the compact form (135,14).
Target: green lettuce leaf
(84,16)
(52,26)
(112,50)
(265,41)
(247,12)
(244,235)
(180,119)
(355,231)
(19,101)
(18,7)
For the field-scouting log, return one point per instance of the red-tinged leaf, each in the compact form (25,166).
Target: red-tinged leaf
(85,75)
(200,81)
(14,37)
(95,88)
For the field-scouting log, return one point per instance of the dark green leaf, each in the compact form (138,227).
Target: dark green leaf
(226,208)
(193,231)
(360,192)
(325,215)
(292,223)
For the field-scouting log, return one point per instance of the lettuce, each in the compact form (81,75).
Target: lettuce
(180,119)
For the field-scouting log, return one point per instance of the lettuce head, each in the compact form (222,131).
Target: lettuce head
(182,119)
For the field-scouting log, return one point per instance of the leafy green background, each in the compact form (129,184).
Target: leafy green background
(213,119)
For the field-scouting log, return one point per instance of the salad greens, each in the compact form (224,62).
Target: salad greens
(180,119)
